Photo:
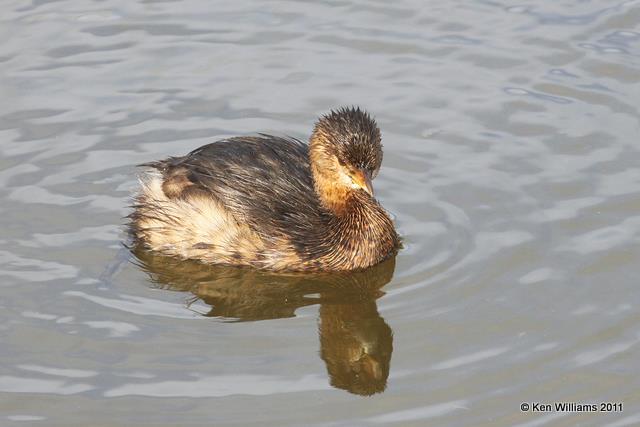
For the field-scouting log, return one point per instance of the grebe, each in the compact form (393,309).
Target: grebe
(271,202)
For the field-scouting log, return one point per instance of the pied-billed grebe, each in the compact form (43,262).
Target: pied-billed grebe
(270,202)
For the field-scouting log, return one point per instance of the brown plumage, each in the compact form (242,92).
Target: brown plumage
(270,202)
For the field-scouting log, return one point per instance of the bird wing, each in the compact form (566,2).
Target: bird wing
(264,181)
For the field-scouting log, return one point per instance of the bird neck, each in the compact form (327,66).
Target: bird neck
(339,201)
(362,234)
(331,191)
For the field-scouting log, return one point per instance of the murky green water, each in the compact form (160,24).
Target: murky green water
(512,167)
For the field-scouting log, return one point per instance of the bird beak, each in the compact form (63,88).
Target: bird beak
(362,179)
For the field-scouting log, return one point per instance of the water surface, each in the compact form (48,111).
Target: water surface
(511,167)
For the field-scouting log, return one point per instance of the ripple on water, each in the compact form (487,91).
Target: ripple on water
(139,305)
(220,386)
(34,270)
(13,384)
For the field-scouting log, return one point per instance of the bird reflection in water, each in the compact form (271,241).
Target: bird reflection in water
(355,341)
